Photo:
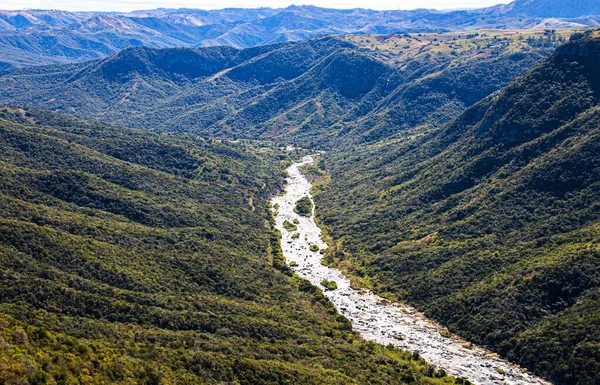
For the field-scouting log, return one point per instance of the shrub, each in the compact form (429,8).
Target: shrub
(329,285)
(289,226)
(304,207)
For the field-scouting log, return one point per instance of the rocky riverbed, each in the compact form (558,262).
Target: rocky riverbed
(375,318)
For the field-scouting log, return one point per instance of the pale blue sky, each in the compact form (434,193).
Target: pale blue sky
(129,5)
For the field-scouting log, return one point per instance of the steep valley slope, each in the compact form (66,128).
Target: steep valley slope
(491,223)
(461,177)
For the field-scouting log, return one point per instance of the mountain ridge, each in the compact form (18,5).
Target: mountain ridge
(322,90)
(45,37)
(553,8)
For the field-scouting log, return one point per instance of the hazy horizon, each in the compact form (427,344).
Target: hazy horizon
(134,5)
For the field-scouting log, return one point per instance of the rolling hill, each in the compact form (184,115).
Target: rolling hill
(313,92)
(491,223)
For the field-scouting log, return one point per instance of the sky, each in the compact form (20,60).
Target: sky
(130,5)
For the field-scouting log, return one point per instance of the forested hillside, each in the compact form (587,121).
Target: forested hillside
(490,224)
(128,256)
(313,93)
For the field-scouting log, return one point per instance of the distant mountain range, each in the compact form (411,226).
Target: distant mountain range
(552,8)
(34,37)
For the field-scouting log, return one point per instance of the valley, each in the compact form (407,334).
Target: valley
(300,196)
(128,256)
(489,225)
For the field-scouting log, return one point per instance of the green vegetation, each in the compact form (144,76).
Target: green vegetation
(313,248)
(289,226)
(459,47)
(322,92)
(329,285)
(489,224)
(152,257)
(304,207)
(136,257)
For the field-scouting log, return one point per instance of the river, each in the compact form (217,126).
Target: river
(377,319)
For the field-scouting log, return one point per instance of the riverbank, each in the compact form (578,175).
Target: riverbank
(375,318)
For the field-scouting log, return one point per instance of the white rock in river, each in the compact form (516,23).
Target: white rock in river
(377,319)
